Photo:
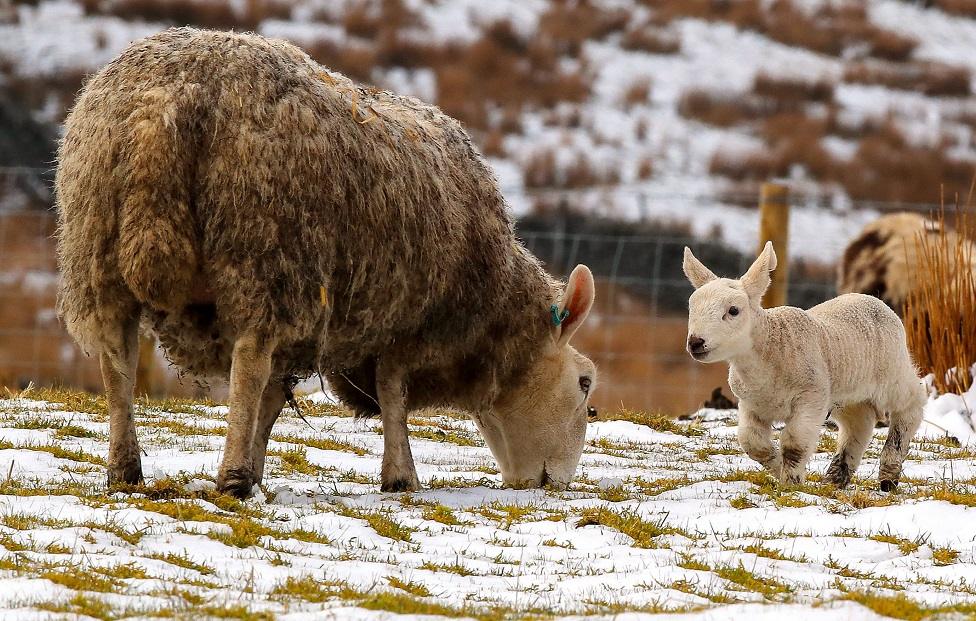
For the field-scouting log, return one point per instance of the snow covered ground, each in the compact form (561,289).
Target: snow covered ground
(663,517)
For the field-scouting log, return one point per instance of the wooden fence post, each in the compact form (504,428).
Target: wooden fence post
(774,225)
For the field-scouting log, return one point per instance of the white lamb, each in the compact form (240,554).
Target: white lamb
(847,356)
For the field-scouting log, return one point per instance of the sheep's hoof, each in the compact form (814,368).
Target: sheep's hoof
(400,485)
(887,485)
(126,474)
(237,482)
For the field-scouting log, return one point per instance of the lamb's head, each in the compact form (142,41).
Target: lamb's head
(538,425)
(721,311)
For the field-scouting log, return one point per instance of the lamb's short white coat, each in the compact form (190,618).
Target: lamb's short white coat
(847,356)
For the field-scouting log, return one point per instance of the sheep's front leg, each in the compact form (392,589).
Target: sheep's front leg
(398,473)
(799,439)
(756,439)
(119,359)
(272,401)
(249,371)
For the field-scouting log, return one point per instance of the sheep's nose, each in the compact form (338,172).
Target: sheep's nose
(696,344)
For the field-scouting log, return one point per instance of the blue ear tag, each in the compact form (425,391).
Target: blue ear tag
(557,319)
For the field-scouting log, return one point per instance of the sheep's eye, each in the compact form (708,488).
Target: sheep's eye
(733,311)
(585,382)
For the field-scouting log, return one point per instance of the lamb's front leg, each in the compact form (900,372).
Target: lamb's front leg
(398,473)
(799,438)
(756,439)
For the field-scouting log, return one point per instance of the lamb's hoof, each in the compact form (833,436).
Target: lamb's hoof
(400,485)
(237,482)
(887,485)
(838,474)
(125,474)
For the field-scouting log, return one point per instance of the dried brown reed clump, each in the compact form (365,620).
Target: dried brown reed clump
(940,313)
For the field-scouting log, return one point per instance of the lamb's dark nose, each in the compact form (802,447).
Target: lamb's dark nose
(696,344)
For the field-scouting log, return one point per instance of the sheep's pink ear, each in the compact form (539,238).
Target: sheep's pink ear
(756,280)
(577,300)
(695,270)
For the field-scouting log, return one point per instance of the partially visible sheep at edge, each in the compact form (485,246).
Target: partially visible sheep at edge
(883,259)
(268,218)
(847,356)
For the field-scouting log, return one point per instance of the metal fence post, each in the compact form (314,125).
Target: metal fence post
(774,221)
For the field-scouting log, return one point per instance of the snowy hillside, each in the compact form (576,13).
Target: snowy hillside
(663,517)
(662,109)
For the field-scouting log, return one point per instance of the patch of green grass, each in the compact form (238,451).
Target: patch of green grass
(944,555)
(244,532)
(742,502)
(454,568)
(906,546)
(69,400)
(381,521)
(295,460)
(325,444)
(414,588)
(615,493)
(442,514)
(184,561)
(629,523)
(899,606)
(751,581)
(437,434)
(80,605)
(657,421)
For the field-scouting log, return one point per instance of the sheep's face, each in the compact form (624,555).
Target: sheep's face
(721,310)
(537,428)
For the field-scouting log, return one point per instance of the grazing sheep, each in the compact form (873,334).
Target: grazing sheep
(847,356)
(268,218)
(881,260)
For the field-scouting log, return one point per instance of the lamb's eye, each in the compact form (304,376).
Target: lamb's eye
(585,382)
(733,311)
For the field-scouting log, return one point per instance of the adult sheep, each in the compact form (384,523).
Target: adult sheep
(269,218)
(883,259)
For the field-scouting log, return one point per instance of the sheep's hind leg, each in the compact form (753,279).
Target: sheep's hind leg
(755,437)
(272,401)
(856,422)
(118,359)
(903,425)
(398,473)
(249,371)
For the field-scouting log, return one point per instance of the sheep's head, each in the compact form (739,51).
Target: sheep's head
(721,311)
(538,426)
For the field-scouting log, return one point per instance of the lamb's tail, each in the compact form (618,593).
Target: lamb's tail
(158,247)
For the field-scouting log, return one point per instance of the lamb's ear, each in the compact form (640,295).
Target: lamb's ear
(578,300)
(695,270)
(757,280)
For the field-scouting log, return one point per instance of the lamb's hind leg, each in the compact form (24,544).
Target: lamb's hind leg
(398,473)
(249,371)
(904,422)
(118,359)
(856,422)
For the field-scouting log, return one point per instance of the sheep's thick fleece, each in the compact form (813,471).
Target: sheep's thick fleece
(194,128)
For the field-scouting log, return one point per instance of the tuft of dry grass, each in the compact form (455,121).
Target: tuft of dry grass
(940,313)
